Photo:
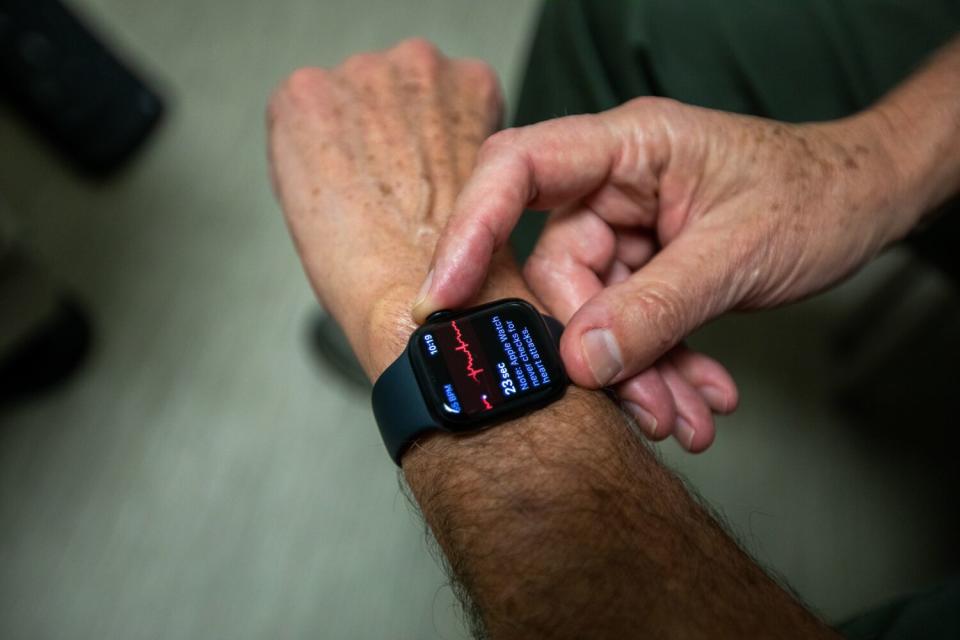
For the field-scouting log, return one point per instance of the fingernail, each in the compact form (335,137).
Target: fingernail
(424,289)
(714,397)
(685,433)
(644,418)
(602,354)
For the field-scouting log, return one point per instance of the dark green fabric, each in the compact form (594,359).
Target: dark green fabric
(793,61)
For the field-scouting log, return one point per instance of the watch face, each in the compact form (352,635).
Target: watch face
(487,363)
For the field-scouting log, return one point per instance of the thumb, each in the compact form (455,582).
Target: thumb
(625,328)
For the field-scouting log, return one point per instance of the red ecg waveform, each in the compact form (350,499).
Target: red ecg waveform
(465,349)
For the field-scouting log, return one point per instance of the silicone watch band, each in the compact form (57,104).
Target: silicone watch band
(400,408)
(399,405)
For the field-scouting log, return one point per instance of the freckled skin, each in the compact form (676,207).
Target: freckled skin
(377,133)
(738,213)
(545,550)
(780,184)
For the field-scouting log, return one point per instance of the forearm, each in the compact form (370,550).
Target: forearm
(563,524)
(559,524)
(920,125)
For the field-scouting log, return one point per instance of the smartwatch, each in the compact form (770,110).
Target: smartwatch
(466,370)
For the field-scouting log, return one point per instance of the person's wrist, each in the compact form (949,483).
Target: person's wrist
(900,173)
(386,334)
(917,149)
(879,175)
(387,329)
(387,326)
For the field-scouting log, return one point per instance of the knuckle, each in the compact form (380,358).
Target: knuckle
(479,73)
(658,308)
(422,55)
(299,88)
(650,102)
(500,142)
(304,82)
(537,268)
(489,87)
(663,119)
(482,78)
(419,47)
(595,241)
(361,63)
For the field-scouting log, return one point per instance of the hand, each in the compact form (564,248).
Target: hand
(665,216)
(367,159)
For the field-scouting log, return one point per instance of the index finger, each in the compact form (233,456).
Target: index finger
(538,166)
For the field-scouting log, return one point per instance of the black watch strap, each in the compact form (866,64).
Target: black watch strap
(555,327)
(400,408)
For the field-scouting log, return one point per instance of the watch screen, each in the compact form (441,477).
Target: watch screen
(487,362)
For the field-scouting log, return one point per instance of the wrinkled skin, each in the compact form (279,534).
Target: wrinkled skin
(663,217)
(367,159)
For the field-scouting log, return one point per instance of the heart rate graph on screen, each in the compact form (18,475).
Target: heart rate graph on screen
(463,354)
(488,363)
(464,348)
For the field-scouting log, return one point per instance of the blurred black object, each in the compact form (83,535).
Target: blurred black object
(45,334)
(75,91)
(48,356)
(936,241)
(894,358)
(331,348)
